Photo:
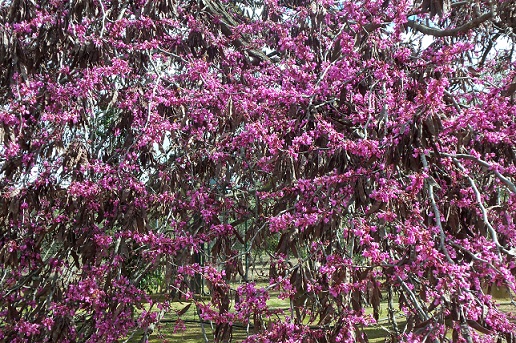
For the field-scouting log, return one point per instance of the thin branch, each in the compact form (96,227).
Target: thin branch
(486,164)
(430,186)
(203,330)
(475,257)
(488,49)
(492,231)
(422,314)
(104,15)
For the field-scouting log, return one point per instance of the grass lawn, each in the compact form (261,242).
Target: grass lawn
(193,332)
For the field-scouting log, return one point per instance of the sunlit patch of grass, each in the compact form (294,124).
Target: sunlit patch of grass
(193,325)
(193,334)
(194,330)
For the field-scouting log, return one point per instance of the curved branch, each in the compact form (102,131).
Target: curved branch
(450,32)
(490,228)
(485,164)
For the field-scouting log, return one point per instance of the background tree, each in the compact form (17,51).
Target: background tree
(373,139)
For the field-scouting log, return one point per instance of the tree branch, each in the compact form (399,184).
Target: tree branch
(492,231)
(430,182)
(450,32)
(483,163)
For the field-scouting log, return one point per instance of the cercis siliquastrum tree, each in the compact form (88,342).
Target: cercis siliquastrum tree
(371,141)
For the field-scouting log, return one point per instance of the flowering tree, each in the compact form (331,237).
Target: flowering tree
(374,140)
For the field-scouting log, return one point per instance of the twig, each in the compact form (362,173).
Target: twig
(421,313)
(103,19)
(204,336)
(483,163)
(491,229)
(430,182)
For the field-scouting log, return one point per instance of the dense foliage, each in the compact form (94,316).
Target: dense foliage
(368,146)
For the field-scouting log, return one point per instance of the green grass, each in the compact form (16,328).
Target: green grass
(166,332)
(193,332)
